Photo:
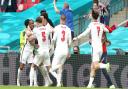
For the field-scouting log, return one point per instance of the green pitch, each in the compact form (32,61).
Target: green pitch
(41,87)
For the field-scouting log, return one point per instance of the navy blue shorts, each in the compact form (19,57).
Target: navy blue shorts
(104,58)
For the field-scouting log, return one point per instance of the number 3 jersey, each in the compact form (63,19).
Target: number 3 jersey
(62,38)
(42,34)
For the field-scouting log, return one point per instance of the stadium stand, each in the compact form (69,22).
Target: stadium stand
(12,23)
(76,70)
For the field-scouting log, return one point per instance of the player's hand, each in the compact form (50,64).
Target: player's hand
(54,1)
(113,27)
(75,38)
(68,56)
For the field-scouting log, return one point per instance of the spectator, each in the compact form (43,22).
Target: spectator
(76,50)
(8,5)
(42,12)
(96,1)
(69,15)
(105,11)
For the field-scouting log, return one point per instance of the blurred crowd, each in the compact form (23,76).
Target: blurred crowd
(17,5)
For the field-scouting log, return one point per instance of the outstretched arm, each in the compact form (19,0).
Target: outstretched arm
(55,7)
(85,33)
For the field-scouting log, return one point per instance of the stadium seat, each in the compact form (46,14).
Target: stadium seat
(28,1)
(37,1)
(30,5)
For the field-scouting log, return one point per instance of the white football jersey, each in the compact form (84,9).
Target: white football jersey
(42,34)
(27,43)
(95,29)
(62,37)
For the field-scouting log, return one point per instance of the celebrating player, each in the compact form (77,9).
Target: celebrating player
(95,29)
(42,58)
(62,39)
(27,50)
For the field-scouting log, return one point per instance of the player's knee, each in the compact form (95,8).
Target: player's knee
(33,66)
(21,66)
(95,66)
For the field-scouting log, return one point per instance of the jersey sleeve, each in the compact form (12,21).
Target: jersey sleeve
(69,38)
(55,34)
(35,31)
(107,28)
(50,28)
(85,33)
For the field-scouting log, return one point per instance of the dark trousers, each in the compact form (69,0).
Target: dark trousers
(104,71)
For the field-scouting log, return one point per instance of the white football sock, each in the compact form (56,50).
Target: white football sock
(18,76)
(90,82)
(45,74)
(53,73)
(35,78)
(31,75)
(102,65)
(59,75)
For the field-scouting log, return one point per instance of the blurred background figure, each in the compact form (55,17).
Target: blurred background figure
(68,13)
(42,13)
(8,5)
(76,50)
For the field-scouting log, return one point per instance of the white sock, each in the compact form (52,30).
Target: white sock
(102,66)
(91,81)
(53,73)
(18,75)
(59,76)
(31,75)
(35,78)
(45,74)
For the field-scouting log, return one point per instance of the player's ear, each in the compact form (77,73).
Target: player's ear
(28,27)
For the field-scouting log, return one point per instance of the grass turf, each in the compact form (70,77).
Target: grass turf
(41,87)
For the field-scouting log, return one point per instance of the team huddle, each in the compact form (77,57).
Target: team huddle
(42,39)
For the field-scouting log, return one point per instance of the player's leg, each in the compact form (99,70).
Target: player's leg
(54,66)
(59,76)
(47,64)
(92,75)
(94,66)
(45,74)
(105,73)
(33,74)
(23,58)
(61,60)
(20,69)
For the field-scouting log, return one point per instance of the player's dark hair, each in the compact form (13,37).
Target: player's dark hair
(95,14)
(42,11)
(39,19)
(26,22)
(45,15)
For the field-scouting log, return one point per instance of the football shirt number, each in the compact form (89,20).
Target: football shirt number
(98,28)
(43,36)
(63,36)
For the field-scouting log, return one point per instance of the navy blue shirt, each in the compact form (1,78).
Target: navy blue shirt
(69,18)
